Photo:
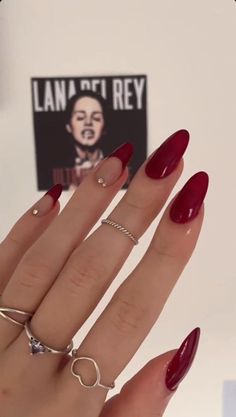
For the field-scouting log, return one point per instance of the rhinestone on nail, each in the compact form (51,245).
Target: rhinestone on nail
(102,182)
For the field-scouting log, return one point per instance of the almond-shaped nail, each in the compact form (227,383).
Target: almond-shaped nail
(182,361)
(167,156)
(48,201)
(189,200)
(113,166)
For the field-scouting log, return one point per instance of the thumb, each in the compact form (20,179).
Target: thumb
(150,390)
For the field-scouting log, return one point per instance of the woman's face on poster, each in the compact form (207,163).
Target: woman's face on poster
(87,121)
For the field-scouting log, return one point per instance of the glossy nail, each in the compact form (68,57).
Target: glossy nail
(114,164)
(182,361)
(189,200)
(168,155)
(48,201)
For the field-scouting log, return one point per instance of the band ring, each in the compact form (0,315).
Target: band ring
(37,346)
(97,383)
(121,229)
(13,310)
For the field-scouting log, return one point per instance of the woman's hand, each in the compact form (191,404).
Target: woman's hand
(49,270)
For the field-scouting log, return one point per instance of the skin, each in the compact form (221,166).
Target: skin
(76,274)
(87,121)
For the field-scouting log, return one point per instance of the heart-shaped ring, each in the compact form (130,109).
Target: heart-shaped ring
(98,379)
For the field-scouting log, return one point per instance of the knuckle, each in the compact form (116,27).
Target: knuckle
(135,203)
(139,198)
(13,241)
(84,276)
(127,316)
(163,251)
(33,273)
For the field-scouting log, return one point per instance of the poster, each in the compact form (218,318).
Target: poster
(80,120)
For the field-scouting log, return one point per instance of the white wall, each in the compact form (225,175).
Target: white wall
(187,50)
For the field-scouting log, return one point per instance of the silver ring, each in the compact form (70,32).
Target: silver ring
(121,228)
(97,383)
(13,310)
(37,346)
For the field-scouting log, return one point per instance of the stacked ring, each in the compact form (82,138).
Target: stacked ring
(13,310)
(121,229)
(37,346)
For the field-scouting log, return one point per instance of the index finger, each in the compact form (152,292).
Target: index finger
(45,258)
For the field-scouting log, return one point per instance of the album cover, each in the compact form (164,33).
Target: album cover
(80,120)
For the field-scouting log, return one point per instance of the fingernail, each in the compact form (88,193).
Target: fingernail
(189,200)
(48,201)
(182,361)
(114,165)
(168,155)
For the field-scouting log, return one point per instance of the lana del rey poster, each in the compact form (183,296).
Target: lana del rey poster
(80,120)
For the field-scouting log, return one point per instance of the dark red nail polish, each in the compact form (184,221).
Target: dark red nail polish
(124,153)
(189,200)
(182,361)
(55,192)
(168,155)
